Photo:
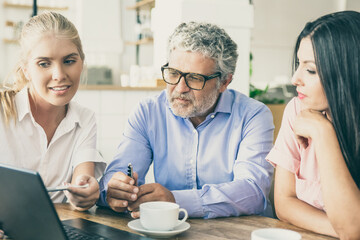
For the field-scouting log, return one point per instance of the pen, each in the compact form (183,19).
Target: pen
(62,188)
(130,170)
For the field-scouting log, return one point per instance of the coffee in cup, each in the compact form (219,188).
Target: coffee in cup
(161,216)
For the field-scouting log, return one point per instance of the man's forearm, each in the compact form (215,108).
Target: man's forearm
(240,197)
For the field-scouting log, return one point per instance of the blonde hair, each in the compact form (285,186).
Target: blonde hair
(38,26)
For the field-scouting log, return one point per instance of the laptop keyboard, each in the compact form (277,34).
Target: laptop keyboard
(78,234)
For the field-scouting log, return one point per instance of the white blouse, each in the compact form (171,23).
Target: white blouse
(24,144)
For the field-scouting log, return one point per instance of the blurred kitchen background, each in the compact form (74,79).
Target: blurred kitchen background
(125,45)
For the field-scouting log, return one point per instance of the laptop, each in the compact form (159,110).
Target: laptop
(27,212)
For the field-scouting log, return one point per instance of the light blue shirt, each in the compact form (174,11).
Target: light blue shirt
(217,169)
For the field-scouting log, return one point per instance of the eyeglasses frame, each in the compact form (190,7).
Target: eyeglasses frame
(182,74)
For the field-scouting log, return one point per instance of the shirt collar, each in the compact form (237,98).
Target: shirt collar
(225,102)
(23,108)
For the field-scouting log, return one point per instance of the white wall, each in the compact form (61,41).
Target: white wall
(112,109)
(353,5)
(99,25)
(277,25)
(235,16)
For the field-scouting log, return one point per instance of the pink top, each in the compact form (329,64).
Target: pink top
(288,154)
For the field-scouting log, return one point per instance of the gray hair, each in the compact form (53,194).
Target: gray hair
(209,40)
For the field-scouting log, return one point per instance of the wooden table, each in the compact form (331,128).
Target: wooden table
(219,228)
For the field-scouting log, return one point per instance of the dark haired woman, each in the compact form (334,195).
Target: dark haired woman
(317,151)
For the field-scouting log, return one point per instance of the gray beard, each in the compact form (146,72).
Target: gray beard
(201,108)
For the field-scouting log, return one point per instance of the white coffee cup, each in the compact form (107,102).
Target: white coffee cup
(161,216)
(274,234)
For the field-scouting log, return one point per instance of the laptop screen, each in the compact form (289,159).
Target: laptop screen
(26,211)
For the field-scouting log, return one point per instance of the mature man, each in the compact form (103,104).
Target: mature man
(207,143)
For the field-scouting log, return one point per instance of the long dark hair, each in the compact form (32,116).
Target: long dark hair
(336,42)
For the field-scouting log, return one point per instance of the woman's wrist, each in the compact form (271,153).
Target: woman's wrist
(323,130)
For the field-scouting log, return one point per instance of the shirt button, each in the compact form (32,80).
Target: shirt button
(212,116)
(191,161)
(194,131)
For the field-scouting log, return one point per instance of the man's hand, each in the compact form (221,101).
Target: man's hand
(150,192)
(122,191)
(83,198)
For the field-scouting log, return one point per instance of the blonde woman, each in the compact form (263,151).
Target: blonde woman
(40,127)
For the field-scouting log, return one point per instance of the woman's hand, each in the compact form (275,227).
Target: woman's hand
(308,125)
(83,198)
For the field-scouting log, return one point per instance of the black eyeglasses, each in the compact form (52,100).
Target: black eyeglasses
(194,81)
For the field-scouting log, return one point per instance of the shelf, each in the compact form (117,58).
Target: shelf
(14,5)
(112,87)
(142,4)
(11,41)
(9,24)
(115,87)
(141,41)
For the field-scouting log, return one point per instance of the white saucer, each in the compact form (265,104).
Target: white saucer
(275,233)
(136,225)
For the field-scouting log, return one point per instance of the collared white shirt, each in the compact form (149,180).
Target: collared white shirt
(24,144)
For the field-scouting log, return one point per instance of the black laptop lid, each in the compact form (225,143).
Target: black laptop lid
(26,211)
